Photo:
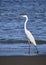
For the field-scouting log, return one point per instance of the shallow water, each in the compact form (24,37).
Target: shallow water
(21,49)
(12,25)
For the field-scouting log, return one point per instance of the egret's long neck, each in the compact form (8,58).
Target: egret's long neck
(25,23)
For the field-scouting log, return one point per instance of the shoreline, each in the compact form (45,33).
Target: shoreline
(23,60)
(12,41)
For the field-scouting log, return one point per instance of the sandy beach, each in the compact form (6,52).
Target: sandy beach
(23,60)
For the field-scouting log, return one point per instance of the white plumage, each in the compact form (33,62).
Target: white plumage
(30,37)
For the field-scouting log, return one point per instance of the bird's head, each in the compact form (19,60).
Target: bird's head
(23,15)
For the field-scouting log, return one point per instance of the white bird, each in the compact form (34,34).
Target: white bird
(29,34)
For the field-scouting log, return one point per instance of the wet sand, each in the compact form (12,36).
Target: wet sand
(23,60)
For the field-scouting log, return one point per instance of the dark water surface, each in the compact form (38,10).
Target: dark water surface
(12,25)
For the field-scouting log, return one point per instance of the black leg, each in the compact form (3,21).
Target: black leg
(36,49)
(29,47)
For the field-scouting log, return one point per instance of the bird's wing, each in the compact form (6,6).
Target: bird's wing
(30,37)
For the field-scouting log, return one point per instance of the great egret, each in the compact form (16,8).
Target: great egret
(29,34)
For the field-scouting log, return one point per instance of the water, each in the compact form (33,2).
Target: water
(12,25)
(21,49)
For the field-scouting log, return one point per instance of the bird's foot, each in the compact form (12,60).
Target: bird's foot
(37,52)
